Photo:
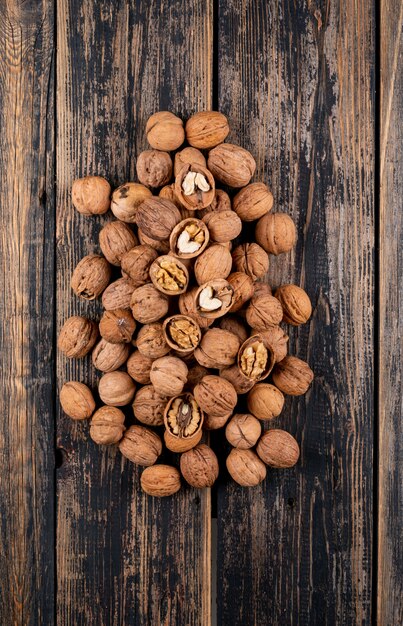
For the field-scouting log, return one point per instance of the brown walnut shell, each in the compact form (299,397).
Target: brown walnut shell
(91,276)
(235,325)
(278,448)
(243,288)
(162,247)
(297,308)
(187,306)
(115,239)
(206,129)
(276,233)
(199,466)
(218,348)
(108,357)
(91,195)
(239,381)
(192,195)
(107,425)
(157,218)
(154,168)
(118,294)
(255,359)
(168,375)
(168,193)
(214,262)
(245,467)
(214,298)
(188,156)
(215,395)
(136,264)
(77,337)
(160,481)
(151,341)
(263,312)
(116,389)
(215,422)
(221,202)
(169,275)
(77,400)
(117,326)
(275,338)
(141,445)
(243,431)
(189,238)
(253,201)
(182,333)
(292,376)
(262,289)
(149,406)
(148,304)
(231,165)
(223,226)
(195,374)
(139,367)
(126,199)
(251,259)
(165,131)
(183,419)
(265,401)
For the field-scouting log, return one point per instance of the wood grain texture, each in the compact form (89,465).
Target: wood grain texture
(27,229)
(390,514)
(297,81)
(122,558)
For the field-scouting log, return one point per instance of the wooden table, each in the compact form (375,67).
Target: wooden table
(314,89)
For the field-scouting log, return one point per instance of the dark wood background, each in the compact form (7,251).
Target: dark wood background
(314,90)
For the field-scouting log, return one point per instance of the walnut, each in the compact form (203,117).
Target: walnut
(183,421)
(265,401)
(243,431)
(214,298)
(217,348)
(148,304)
(223,226)
(108,357)
(243,288)
(206,129)
(181,333)
(251,259)
(255,360)
(168,193)
(195,374)
(157,218)
(149,406)
(195,187)
(117,326)
(277,340)
(214,262)
(231,165)
(235,325)
(139,367)
(297,308)
(189,238)
(91,276)
(160,246)
(276,233)
(126,199)
(154,168)
(278,448)
(187,306)
(253,201)
(188,156)
(115,239)
(91,195)
(136,264)
(292,376)
(116,389)
(245,467)
(221,202)
(240,382)
(118,295)
(165,131)
(160,481)
(214,422)
(169,275)
(151,341)
(168,375)
(77,400)
(215,395)
(199,466)
(141,445)
(77,337)
(107,425)
(263,312)
(262,289)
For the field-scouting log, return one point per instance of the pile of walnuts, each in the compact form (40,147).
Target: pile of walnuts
(187,327)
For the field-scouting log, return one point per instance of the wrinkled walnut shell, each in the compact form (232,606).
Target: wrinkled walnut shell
(149,406)
(187,306)
(108,357)
(139,367)
(115,239)
(91,276)
(165,131)
(245,467)
(215,262)
(118,294)
(136,264)
(182,333)
(265,401)
(199,198)
(199,466)
(162,247)
(148,304)
(218,348)
(239,381)
(297,308)
(275,338)
(243,288)
(77,400)
(77,337)
(154,168)
(214,298)
(117,326)
(215,395)
(157,218)
(263,312)
(231,165)
(253,201)
(188,156)
(116,389)
(189,238)
(151,342)
(235,325)
(91,195)
(214,422)
(206,129)
(221,202)
(278,448)
(160,481)
(292,376)
(251,259)
(243,431)
(141,445)
(276,233)
(169,275)
(255,359)
(223,226)
(107,425)
(168,375)
(126,199)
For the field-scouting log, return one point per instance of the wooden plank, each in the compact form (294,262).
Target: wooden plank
(27,229)
(122,558)
(390,450)
(297,81)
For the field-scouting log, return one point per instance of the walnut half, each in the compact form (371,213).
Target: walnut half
(189,238)
(183,420)
(169,275)
(214,298)
(255,360)
(181,333)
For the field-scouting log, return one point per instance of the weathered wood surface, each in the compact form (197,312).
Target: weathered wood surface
(297,81)
(390,396)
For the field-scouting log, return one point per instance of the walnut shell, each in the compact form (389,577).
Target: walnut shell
(168,375)
(243,288)
(116,389)
(77,400)
(187,306)
(107,425)
(214,262)
(117,326)
(195,187)
(154,168)
(118,294)
(183,421)
(160,480)
(91,195)
(77,337)
(231,165)
(108,357)
(162,247)
(221,202)
(139,367)
(276,233)
(206,129)
(165,131)
(255,359)
(136,264)
(297,308)
(115,239)
(245,467)
(126,199)
(262,289)
(91,276)
(223,226)
(253,201)
(218,348)
(195,374)
(189,238)
(239,381)
(214,298)
(243,431)
(265,401)
(292,376)
(141,445)
(215,395)
(148,304)
(181,333)
(277,340)
(174,444)
(157,218)
(251,259)
(151,341)
(235,325)
(168,193)
(188,156)
(149,406)
(263,312)
(169,275)
(278,448)
(199,466)
(215,422)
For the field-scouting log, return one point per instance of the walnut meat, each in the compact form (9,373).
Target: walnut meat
(181,333)
(149,406)
(199,466)
(148,304)
(139,367)
(263,312)
(265,401)
(141,445)
(188,156)
(218,348)
(187,306)
(126,199)
(277,340)
(157,218)
(231,165)
(108,357)
(243,288)
(117,326)
(194,187)
(206,129)
(292,376)
(154,168)
(215,395)
(251,259)
(253,201)
(136,264)
(160,481)
(245,467)
(116,389)
(214,298)
(107,425)
(168,375)
(77,400)
(91,195)
(255,360)
(151,341)
(115,239)
(183,421)
(278,448)
(243,431)
(276,233)
(165,131)
(189,238)
(77,337)
(169,275)
(91,277)
(214,262)
(297,308)
(223,226)
(118,294)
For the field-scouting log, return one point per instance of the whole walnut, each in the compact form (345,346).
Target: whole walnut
(108,357)
(161,246)
(91,195)
(206,129)
(215,395)
(107,425)
(251,259)
(91,276)
(149,406)
(199,466)
(188,156)
(165,131)
(187,306)
(223,225)
(263,312)
(278,448)
(245,467)
(217,348)
(126,199)
(160,481)
(297,308)
(154,168)
(277,340)
(141,445)
(148,304)
(292,376)
(169,375)
(117,326)
(195,374)
(151,341)
(115,239)
(168,193)
(240,382)
(253,201)
(235,325)
(77,337)
(276,233)
(221,202)
(262,289)
(136,264)
(116,389)
(214,262)
(214,422)
(157,218)
(139,367)
(243,431)
(231,165)
(118,294)
(243,288)
(265,401)
(77,400)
